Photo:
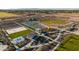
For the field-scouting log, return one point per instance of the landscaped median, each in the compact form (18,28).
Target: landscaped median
(70,43)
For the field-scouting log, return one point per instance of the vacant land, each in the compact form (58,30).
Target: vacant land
(66,14)
(6,14)
(21,33)
(51,22)
(70,43)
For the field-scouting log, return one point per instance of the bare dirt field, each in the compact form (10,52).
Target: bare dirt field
(71,16)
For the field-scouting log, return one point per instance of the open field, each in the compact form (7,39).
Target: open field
(6,14)
(1,40)
(67,14)
(21,33)
(70,43)
(51,22)
(70,16)
(0,32)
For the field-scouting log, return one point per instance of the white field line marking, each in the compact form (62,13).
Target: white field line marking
(14,30)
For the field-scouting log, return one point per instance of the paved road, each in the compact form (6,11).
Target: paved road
(26,46)
(56,47)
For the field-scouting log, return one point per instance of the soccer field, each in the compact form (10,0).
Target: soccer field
(51,22)
(6,14)
(21,33)
(70,43)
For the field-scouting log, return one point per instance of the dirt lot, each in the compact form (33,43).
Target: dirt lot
(70,16)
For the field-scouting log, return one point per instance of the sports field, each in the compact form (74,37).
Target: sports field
(51,22)
(14,30)
(21,33)
(6,14)
(70,43)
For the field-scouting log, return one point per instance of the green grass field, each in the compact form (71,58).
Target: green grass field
(50,22)
(0,37)
(6,14)
(0,32)
(22,33)
(70,43)
(1,40)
